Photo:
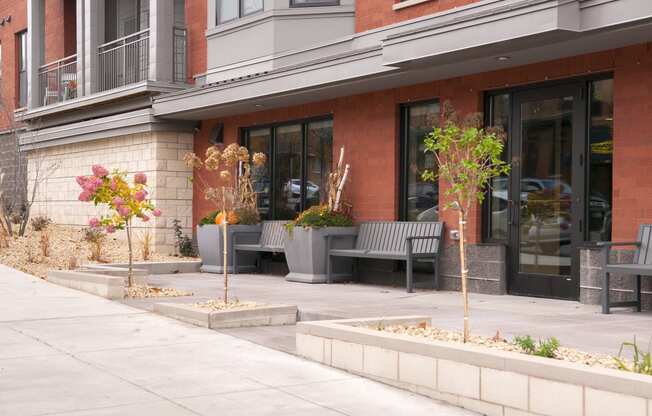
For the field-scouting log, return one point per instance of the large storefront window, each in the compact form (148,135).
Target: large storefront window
(299,160)
(497,199)
(419,198)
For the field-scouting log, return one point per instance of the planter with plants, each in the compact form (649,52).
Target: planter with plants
(306,245)
(236,206)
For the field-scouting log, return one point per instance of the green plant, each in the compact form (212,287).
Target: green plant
(467,157)
(40,223)
(247,216)
(320,216)
(209,219)
(641,362)
(184,243)
(543,348)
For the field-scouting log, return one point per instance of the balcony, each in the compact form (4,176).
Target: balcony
(124,61)
(58,80)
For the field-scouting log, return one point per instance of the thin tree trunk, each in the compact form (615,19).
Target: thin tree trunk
(131,257)
(225,263)
(465,274)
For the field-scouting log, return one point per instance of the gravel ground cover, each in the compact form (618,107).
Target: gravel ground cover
(219,305)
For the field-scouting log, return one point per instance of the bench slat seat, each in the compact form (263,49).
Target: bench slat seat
(395,240)
(641,266)
(272,239)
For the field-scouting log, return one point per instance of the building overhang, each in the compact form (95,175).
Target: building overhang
(134,122)
(485,36)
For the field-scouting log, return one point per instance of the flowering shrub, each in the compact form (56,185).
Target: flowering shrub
(320,216)
(125,201)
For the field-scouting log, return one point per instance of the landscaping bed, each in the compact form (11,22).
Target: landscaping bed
(487,376)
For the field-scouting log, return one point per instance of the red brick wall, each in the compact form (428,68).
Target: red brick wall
(196,25)
(60,29)
(370,14)
(17,9)
(368,126)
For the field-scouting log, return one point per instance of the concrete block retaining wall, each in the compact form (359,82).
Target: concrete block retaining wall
(491,382)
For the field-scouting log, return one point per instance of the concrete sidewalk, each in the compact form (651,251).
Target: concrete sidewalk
(574,324)
(64,352)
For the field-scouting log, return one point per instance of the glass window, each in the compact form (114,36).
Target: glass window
(300,3)
(299,161)
(601,113)
(228,10)
(497,206)
(420,198)
(22,68)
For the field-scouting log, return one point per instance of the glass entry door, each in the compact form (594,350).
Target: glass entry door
(546,206)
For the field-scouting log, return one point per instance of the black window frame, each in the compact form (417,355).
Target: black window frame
(403,153)
(304,123)
(321,3)
(240,15)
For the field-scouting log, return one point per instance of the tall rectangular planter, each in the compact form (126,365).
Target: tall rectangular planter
(305,252)
(210,241)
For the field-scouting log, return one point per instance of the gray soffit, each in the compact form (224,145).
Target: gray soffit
(461,41)
(134,122)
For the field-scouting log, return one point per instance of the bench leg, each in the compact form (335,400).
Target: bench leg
(329,269)
(410,283)
(605,293)
(234,261)
(355,270)
(435,266)
(637,292)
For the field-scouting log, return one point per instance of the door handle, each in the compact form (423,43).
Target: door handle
(510,212)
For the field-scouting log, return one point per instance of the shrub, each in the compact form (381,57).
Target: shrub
(208,219)
(40,223)
(44,243)
(546,348)
(184,243)
(320,216)
(641,362)
(95,237)
(247,216)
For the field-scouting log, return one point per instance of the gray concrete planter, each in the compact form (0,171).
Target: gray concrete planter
(488,381)
(209,240)
(305,252)
(109,283)
(262,315)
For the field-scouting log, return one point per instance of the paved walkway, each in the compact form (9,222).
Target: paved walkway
(64,352)
(574,324)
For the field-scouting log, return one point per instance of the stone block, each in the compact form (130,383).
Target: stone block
(310,347)
(552,398)
(504,387)
(347,356)
(259,316)
(417,369)
(458,378)
(380,362)
(604,403)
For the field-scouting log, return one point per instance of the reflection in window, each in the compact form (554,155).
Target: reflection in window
(601,160)
(228,10)
(292,180)
(497,206)
(420,198)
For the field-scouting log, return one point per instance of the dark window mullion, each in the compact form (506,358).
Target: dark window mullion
(304,162)
(272,173)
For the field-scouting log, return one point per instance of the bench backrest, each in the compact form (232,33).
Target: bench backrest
(391,236)
(644,252)
(273,233)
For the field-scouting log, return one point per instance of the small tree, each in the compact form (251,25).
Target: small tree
(234,197)
(125,202)
(468,157)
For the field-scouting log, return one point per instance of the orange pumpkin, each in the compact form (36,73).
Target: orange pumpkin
(230,217)
(219,218)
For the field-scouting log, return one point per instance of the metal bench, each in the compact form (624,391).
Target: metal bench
(272,239)
(641,266)
(402,240)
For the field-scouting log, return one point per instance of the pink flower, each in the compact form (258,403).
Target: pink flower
(94,222)
(110,229)
(100,171)
(157,212)
(117,201)
(81,180)
(85,196)
(113,185)
(124,211)
(140,196)
(92,184)
(140,178)
(144,217)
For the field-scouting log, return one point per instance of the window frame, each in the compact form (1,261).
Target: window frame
(271,160)
(322,3)
(21,62)
(240,15)
(403,151)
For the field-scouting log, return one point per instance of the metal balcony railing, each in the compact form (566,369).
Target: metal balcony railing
(180,54)
(58,80)
(124,61)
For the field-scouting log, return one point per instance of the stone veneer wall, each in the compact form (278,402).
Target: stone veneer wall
(12,169)
(158,154)
(622,287)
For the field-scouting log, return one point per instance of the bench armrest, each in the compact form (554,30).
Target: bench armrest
(617,243)
(237,233)
(425,237)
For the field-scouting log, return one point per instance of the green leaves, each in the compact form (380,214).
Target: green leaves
(544,348)
(468,157)
(641,362)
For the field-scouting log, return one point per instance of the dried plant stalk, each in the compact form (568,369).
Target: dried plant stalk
(336,181)
(44,243)
(146,241)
